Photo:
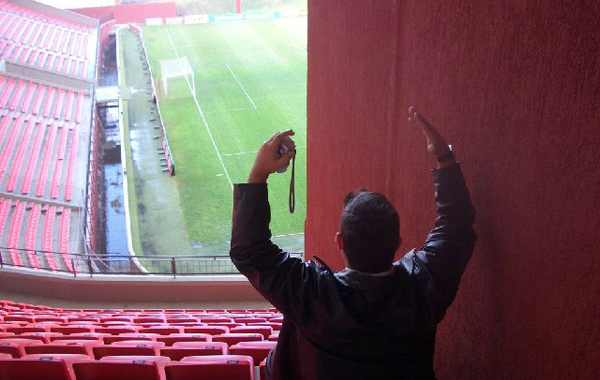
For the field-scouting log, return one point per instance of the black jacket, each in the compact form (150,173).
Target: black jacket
(351,325)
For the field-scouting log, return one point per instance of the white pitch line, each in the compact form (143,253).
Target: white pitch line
(202,115)
(238,153)
(231,110)
(241,86)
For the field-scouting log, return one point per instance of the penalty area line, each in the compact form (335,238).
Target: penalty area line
(202,115)
(241,86)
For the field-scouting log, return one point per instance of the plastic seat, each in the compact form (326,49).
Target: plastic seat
(262,370)
(274,337)
(160,361)
(247,320)
(222,367)
(81,336)
(181,350)
(258,350)
(274,325)
(212,330)
(28,329)
(41,336)
(162,330)
(40,367)
(116,330)
(66,330)
(232,338)
(143,348)
(111,370)
(154,320)
(15,346)
(129,336)
(169,340)
(265,331)
(81,347)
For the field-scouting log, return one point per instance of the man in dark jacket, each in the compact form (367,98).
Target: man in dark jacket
(377,318)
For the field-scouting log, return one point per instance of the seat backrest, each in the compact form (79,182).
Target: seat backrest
(212,330)
(222,367)
(41,367)
(116,350)
(105,370)
(181,350)
(265,331)
(15,346)
(129,336)
(169,340)
(258,350)
(233,338)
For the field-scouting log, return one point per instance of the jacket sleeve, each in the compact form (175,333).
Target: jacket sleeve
(287,283)
(440,263)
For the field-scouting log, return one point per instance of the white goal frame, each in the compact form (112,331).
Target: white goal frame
(173,68)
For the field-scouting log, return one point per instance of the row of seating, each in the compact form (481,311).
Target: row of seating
(41,342)
(50,37)
(25,139)
(32,14)
(81,367)
(48,101)
(35,255)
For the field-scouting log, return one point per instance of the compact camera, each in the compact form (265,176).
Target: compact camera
(287,145)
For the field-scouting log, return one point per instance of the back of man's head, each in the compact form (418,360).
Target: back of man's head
(370,229)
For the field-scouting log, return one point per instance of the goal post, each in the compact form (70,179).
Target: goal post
(174,68)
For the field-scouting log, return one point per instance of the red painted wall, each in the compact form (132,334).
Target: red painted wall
(515,86)
(126,13)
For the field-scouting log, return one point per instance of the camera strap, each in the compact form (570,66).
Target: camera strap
(292,197)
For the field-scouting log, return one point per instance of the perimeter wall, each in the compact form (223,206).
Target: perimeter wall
(515,87)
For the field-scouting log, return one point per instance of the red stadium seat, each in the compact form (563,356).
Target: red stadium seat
(160,361)
(129,336)
(81,347)
(262,370)
(212,330)
(144,348)
(109,370)
(265,331)
(223,367)
(15,346)
(258,350)
(169,340)
(162,330)
(45,337)
(72,329)
(81,336)
(232,338)
(116,330)
(40,367)
(181,350)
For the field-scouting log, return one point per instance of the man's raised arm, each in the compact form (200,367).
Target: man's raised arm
(440,263)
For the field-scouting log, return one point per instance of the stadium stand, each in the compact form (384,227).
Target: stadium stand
(36,332)
(47,68)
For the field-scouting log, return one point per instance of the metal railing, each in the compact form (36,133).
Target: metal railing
(79,264)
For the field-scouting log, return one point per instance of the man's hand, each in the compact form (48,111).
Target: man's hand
(436,145)
(267,159)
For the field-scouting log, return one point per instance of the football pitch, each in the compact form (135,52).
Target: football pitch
(250,81)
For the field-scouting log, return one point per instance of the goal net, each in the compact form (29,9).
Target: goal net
(177,68)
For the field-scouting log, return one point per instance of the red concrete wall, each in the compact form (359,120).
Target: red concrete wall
(126,13)
(515,86)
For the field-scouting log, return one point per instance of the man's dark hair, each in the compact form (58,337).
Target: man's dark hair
(370,228)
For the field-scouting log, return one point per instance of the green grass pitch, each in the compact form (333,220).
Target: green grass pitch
(250,79)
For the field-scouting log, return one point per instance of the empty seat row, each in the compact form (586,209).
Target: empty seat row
(80,367)
(19,347)
(39,99)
